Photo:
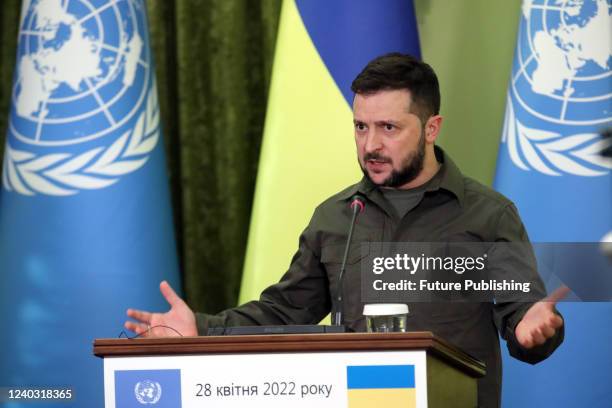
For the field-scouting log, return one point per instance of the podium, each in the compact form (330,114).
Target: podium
(352,370)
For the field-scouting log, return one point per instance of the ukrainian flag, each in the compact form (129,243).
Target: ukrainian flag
(308,150)
(391,385)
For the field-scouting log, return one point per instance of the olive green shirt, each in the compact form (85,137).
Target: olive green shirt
(454,208)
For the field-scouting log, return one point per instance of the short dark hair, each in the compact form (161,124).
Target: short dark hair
(402,71)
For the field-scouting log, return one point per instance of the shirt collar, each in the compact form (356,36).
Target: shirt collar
(448,178)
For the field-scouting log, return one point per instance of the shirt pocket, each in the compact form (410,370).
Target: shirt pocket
(461,236)
(331,258)
(332,254)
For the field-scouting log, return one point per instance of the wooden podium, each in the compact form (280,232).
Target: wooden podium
(352,370)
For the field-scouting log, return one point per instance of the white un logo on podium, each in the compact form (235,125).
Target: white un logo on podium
(147,392)
(560,91)
(85,108)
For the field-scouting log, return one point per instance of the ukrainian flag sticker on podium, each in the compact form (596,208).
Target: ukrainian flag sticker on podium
(391,385)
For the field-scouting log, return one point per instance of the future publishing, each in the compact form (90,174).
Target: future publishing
(468,284)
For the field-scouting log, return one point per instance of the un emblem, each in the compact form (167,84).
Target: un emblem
(84,102)
(560,93)
(147,392)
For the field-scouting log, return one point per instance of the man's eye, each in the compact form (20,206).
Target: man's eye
(360,126)
(389,127)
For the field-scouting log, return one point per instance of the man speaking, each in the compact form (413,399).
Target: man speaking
(413,193)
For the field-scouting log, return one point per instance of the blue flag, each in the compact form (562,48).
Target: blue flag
(551,165)
(349,33)
(85,217)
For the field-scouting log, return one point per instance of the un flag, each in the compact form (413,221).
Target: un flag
(85,219)
(550,164)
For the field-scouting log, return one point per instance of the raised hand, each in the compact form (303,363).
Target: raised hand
(179,317)
(540,322)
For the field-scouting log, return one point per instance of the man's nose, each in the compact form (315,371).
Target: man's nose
(373,142)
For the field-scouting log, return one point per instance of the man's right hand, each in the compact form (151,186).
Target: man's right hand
(179,317)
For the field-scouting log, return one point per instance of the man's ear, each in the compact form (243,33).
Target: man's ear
(432,128)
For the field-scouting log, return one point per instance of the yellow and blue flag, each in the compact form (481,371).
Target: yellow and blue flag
(391,386)
(551,165)
(85,218)
(308,152)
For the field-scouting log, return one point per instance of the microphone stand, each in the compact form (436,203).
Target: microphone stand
(357,206)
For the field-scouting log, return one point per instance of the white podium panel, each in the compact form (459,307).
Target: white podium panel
(303,379)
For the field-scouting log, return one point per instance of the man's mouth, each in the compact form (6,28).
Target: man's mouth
(376,165)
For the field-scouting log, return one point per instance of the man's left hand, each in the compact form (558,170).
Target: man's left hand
(540,323)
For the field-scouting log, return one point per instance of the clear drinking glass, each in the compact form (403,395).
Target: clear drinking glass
(385,317)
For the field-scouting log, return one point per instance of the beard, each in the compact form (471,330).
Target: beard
(411,166)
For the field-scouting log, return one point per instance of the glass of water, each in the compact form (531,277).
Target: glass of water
(386,317)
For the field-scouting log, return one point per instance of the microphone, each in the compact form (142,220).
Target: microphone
(357,205)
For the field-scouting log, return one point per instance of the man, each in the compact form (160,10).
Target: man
(413,192)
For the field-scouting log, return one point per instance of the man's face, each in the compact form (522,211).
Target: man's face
(390,140)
